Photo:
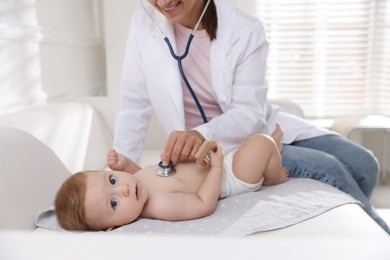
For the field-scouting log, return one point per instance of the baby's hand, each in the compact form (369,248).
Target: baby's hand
(116,161)
(216,157)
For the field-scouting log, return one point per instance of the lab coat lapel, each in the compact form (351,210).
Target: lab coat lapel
(222,67)
(167,67)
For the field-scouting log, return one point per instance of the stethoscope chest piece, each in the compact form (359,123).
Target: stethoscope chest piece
(165,170)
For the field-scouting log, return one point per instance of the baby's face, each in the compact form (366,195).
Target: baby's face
(113,199)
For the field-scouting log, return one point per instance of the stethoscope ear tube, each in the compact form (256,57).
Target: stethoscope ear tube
(166,170)
(181,57)
(183,75)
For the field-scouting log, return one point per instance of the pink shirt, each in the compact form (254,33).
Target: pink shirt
(196,66)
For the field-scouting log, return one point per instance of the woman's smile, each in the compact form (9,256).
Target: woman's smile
(170,10)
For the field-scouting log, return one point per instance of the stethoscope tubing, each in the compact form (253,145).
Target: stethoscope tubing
(166,170)
(183,75)
(181,57)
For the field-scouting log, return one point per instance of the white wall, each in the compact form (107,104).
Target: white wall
(60,49)
(117,19)
(49,49)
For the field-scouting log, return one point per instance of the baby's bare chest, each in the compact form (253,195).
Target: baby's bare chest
(188,178)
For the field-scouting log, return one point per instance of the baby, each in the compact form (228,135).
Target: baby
(103,200)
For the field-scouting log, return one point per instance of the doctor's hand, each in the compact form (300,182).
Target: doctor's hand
(181,146)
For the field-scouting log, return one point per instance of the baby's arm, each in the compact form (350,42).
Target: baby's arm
(211,188)
(119,162)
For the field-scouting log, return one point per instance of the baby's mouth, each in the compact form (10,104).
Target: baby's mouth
(137,192)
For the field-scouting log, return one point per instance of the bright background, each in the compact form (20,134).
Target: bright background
(332,57)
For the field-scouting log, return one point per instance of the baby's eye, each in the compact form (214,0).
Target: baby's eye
(114,203)
(112,179)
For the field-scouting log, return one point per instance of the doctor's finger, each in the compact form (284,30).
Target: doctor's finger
(177,150)
(166,155)
(195,147)
(186,153)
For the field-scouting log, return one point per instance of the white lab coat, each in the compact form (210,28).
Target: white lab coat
(151,83)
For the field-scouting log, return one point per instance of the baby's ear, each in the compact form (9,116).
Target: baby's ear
(109,229)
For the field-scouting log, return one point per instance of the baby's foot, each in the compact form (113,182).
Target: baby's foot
(283,175)
(277,135)
(277,178)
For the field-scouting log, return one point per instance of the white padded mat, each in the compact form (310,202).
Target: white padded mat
(270,208)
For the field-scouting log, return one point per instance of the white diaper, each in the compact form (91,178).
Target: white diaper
(231,185)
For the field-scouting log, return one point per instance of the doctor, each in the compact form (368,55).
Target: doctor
(226,68)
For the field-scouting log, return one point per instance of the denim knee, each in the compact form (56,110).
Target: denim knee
(359,161)
(308,163)
(369,166)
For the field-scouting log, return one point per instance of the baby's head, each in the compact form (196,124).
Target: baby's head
(99,200)
(69,203)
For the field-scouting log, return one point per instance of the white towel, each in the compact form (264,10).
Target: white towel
(282,211)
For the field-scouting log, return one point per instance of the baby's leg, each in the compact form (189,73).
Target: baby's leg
(259,157)
(277,135)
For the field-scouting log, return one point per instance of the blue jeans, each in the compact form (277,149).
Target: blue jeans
(335,160)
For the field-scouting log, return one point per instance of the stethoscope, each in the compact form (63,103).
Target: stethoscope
(166,170)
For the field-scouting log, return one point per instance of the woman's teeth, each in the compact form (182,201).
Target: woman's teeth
(168,9)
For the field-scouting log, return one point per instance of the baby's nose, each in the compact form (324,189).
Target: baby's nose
(124,189)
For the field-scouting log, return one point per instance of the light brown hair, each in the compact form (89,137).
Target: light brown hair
(69,203)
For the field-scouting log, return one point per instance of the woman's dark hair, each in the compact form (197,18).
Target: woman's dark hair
(210,20)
